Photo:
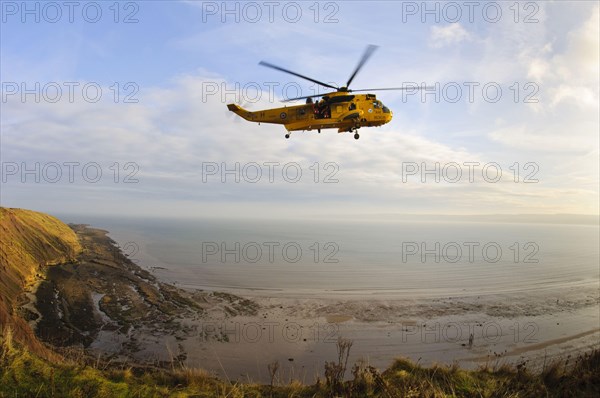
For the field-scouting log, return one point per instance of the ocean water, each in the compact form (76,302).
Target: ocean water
(360,258)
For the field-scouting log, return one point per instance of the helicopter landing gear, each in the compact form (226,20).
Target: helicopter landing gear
(356,136)
(287,135)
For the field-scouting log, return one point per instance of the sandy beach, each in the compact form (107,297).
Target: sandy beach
(302,335)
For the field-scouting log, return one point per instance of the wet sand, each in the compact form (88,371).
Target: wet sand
(302,335)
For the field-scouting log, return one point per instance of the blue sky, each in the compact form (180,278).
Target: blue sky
(173,52)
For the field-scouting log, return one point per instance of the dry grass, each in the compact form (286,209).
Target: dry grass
(24,374)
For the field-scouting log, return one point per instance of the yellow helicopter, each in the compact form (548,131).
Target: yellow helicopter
(339,109)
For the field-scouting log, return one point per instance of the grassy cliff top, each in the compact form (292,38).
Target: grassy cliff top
(23,374)
(29,241)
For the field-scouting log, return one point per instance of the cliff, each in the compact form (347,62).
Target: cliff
(29,243)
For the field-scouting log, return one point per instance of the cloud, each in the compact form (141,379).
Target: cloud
(173,132)
(442,36)
(568,92)
(574,74)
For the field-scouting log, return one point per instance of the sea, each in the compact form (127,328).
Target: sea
(375,258)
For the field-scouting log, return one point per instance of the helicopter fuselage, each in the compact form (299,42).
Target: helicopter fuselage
(342,110)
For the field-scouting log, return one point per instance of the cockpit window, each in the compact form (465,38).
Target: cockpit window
(386,109)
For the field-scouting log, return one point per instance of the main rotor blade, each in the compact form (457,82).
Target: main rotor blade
(268,65)
(395,88)
(368,52)
(366,89)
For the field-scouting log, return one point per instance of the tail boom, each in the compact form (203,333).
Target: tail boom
(238,110)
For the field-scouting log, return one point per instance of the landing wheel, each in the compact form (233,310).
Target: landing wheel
(287,136)
(356,136)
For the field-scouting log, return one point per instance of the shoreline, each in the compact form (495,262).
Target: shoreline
(133,316)
(375,294)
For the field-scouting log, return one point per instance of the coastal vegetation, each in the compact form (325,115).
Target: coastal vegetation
(25,374)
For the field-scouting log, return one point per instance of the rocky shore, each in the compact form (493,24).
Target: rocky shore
(105,302)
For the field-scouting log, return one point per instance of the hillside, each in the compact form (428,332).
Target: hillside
(29,242)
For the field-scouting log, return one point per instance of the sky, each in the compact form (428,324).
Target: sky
(120,108)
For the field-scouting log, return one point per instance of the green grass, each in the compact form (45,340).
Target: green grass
(24,374)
